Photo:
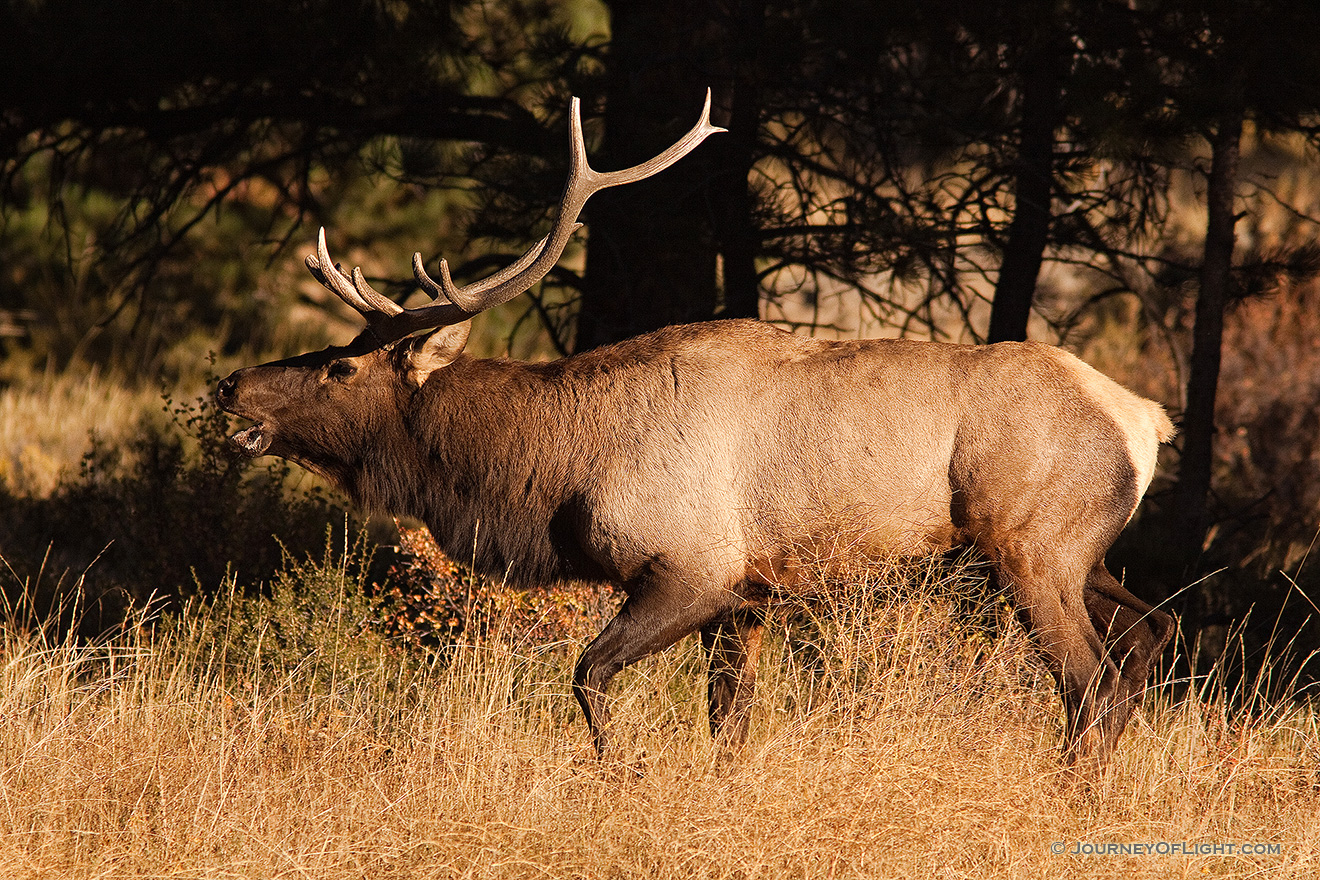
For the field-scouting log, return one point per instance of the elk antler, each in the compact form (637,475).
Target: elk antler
(388,322)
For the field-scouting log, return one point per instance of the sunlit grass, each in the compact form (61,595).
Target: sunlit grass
(46,421)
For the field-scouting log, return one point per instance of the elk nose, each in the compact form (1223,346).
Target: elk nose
(224,392)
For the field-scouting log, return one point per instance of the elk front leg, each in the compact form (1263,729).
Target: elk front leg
(734,648)
(655,616)
(1134,634)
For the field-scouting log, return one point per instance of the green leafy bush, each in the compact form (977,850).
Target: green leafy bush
(317,626)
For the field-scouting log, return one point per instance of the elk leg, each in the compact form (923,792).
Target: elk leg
(1055,614)
(734,647)
(1134,634)
(652,619)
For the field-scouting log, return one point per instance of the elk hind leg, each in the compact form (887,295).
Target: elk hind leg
(733,645)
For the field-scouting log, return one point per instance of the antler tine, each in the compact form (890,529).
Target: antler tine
(388,322)
(437,289)
(685,145)
(583,182)
(333,277)
(379,303)
(353,289)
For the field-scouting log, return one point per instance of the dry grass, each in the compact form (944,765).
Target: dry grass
(891,739)
(46,419)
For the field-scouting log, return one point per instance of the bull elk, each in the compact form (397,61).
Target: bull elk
(698,466)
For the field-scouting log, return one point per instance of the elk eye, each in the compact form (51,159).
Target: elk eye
(340,370)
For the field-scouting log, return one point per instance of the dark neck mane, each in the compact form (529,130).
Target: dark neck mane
(481,461)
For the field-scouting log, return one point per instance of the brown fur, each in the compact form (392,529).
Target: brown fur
(698,466)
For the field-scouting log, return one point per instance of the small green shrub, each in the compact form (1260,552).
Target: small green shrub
(316,626)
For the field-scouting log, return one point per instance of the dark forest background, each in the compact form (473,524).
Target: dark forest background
(1135,180)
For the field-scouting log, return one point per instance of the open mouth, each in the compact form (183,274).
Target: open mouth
(254,440)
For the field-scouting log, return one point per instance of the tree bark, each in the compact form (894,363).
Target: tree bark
(734,154)
(1191,513)
(653,248)
(651,253)
(1033,189)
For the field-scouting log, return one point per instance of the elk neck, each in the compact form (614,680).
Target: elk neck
(487,466)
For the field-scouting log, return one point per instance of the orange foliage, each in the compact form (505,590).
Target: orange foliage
(434,601)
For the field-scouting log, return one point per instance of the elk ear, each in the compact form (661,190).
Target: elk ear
(436,350)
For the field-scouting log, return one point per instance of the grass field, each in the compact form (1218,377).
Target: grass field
(902,729)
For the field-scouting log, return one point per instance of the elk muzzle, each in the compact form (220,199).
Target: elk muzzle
(254,440)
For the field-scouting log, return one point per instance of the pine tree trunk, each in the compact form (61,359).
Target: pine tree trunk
(651,254)
(654,246)
(1028,233)
(739,98)
(1191,516)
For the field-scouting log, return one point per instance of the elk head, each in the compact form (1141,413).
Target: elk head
(323,410)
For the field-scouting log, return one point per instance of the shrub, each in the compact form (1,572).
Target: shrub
(317,626)
(431,601)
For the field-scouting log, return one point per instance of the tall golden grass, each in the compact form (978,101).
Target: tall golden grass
(46,420)
(902,729)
